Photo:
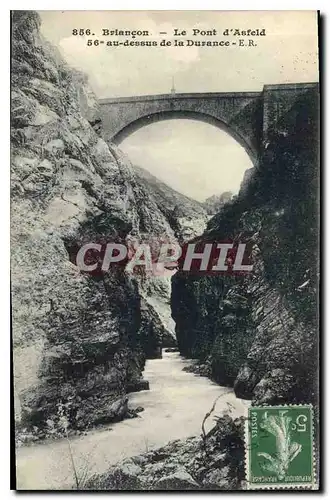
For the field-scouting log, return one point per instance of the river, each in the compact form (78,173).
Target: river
(174,408)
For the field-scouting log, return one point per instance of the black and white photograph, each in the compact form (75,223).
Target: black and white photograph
(165,250)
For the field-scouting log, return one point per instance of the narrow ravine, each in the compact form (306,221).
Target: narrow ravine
(174,408)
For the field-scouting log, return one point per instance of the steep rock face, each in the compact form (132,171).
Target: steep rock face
(80,340)
(156,292)
(212,315)
(187,217)
(259,331)
(214,203)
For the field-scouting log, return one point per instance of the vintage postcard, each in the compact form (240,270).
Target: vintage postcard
(165,202)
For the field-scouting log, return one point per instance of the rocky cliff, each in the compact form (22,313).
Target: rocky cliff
(214,461)
(186,216)
(80,341)
(214,203)
(187,219)
(259,332)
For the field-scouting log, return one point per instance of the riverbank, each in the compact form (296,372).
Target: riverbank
(174,408)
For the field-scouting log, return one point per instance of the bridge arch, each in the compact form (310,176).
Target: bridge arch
(238,113)
(184,114)
(249,117)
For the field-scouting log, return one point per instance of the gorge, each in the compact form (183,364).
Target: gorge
(81,342)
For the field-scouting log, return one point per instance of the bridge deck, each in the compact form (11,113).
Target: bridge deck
(158,97)
(207,95)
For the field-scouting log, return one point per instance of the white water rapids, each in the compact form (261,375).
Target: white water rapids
(174,407)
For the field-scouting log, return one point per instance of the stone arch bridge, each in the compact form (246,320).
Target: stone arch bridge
(247,116)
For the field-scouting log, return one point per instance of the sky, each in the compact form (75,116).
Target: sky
(210,160)
(191,156)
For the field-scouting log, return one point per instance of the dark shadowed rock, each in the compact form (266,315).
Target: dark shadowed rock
(250,328)
(219,479)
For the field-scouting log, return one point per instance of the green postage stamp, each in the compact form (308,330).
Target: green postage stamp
(279,447)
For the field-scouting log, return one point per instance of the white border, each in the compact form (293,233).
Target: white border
(171,5)
(322,5)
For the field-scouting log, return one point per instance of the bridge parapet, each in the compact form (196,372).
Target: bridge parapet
(247,116)
(157,97)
